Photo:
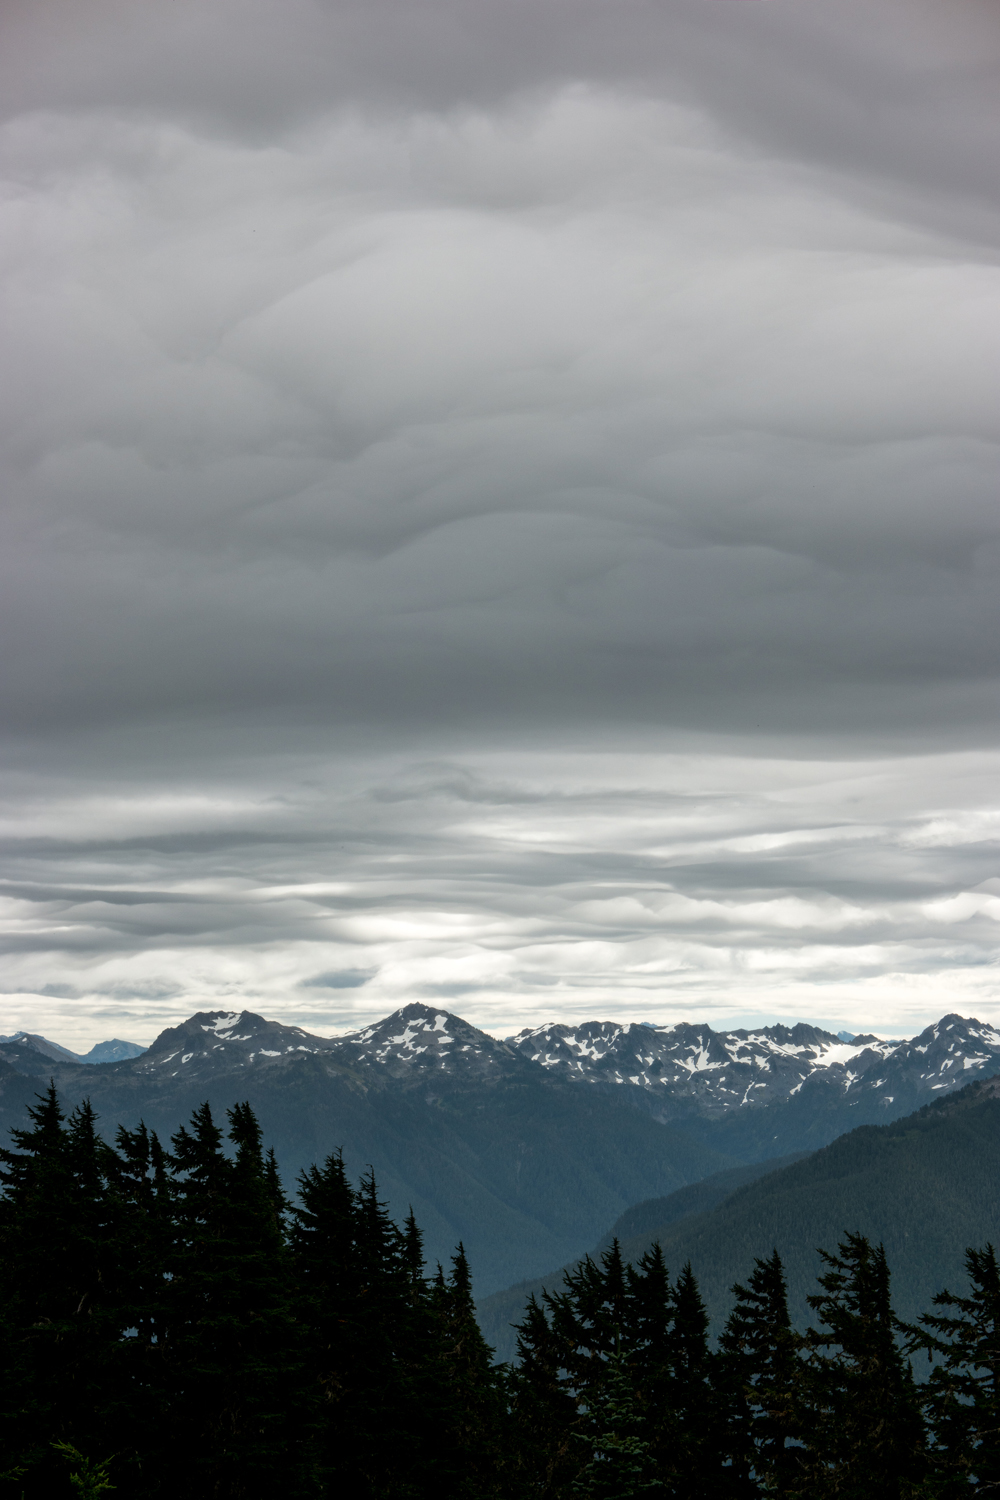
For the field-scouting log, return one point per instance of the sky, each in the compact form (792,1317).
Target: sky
(500,508)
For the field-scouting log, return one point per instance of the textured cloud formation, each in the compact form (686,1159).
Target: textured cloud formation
(594,405)
(508,885)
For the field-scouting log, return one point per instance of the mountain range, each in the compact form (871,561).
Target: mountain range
(111,1051)
(926,1186)
(485,1146)
(722,1086)
(525,1148)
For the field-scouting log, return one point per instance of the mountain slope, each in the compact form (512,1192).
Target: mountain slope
(522,1167)
(526,1149)
(766,1093)
(926,1186)
(110,1051)
(641,1224)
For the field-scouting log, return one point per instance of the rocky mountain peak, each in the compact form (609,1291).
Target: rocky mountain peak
(28,1041)
(425,1039)
(218,1039)
(689,1067)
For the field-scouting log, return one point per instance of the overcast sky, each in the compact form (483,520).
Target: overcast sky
(500,506)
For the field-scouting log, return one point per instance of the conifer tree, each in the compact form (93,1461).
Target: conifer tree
(141,1218)
(545,1408)
(362,1298)
(59,1324)
(621,1465)
(962,1395)
(698,1448)
(630,1322)
(589,1318)
(326,1300)
(232,1360)
(141,1207)
(564,1345)
(382,1415)
(863,1425)
(760,1381)
(648,1342)
(469,1393)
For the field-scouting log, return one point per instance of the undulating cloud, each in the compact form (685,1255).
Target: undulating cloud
(500,504)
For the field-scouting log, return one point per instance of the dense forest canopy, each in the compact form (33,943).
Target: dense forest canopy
(173,1324)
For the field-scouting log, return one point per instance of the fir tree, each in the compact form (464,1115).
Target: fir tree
(760,1380)
(962,1396)
(627,1323)
(232,1360)
(622,1465)
(545,1407)
(361,1296)
(590,1317)
(696,1462)
(648,1340)
(59,1322)
(469,1394)
(864,1430)
(327,1304)
(141,1207)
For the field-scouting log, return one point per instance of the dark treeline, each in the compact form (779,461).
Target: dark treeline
(172,1325)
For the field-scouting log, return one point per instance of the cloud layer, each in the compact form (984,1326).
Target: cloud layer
(509,886)
(575,400)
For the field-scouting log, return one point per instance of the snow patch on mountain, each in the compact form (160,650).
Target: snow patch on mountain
(676,1070)
(692,1066)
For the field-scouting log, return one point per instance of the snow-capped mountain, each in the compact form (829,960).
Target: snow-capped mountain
(419,1040)
(220,1041)
(525,1149)
(693,1069)
(680,1071)
(413,1044)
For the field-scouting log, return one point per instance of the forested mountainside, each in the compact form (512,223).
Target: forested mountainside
(172,1324)
(487,1149)
(525,1149)
(926,1187)
(499,1312)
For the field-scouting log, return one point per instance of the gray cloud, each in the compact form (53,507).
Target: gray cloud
(394,392)
(514,884)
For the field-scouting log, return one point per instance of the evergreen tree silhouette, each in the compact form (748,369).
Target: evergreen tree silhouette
(648,1340)
(629,1323)
(760,1379)
(545,1408)
(232,1363)
(621,1465)
(863,1426)
(697,1462)
(141,1213)
(588,1318)
(962,1395)
(331,1308)
(59,1322)
(470,1400)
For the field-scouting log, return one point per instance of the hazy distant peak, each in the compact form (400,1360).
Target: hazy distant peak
(114,1050)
